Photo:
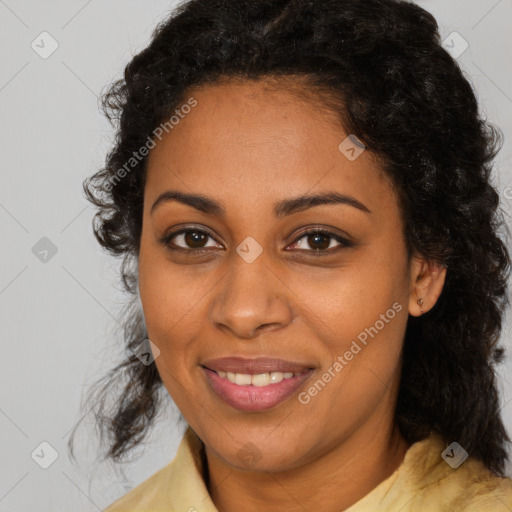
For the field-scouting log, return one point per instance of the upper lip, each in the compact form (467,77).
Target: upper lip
(255,366)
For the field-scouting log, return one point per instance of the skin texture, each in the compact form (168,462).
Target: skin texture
(247,147)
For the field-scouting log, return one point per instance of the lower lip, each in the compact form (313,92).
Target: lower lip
(254,398)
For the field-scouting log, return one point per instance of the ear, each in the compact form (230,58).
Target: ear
(427,281)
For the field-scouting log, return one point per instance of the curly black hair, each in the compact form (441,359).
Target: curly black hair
(382,66)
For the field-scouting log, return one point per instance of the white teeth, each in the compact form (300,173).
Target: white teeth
(242,379)
(260,379)
(276,377)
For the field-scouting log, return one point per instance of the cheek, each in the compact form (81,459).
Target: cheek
(171,302)
(169,308)
(363,363)
(361,314)
(170,295)
(347,300)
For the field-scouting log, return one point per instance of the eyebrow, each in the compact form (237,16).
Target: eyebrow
(282,208)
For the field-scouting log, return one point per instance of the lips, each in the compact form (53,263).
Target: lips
(255,384)
(255,366)
(254,397)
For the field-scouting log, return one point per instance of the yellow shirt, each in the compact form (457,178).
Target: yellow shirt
(424,482)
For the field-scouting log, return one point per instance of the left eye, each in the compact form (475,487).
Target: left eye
(319,241)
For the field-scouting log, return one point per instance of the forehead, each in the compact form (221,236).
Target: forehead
(261,138)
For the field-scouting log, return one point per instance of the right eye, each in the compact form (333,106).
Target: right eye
(193,239)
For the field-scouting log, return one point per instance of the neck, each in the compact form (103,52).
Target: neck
(332,482)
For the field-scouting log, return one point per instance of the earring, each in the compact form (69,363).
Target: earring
(420,303)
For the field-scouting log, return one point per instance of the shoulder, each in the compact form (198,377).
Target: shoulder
(472,487)
(429,480)
(436,483)
(177,486)
(142,498)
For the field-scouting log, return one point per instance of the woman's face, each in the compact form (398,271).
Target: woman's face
(246,281)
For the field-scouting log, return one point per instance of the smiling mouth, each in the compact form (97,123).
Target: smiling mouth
(257,379)
(255,385)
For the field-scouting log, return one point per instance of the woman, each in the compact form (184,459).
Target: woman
(301,192)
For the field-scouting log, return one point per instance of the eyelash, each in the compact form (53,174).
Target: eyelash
(166,240)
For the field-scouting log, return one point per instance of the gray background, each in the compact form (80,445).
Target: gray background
(58,318)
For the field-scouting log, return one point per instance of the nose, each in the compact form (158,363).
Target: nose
(251,299)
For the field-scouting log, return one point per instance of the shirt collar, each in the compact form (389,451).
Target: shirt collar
(189,469)
(188,478)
